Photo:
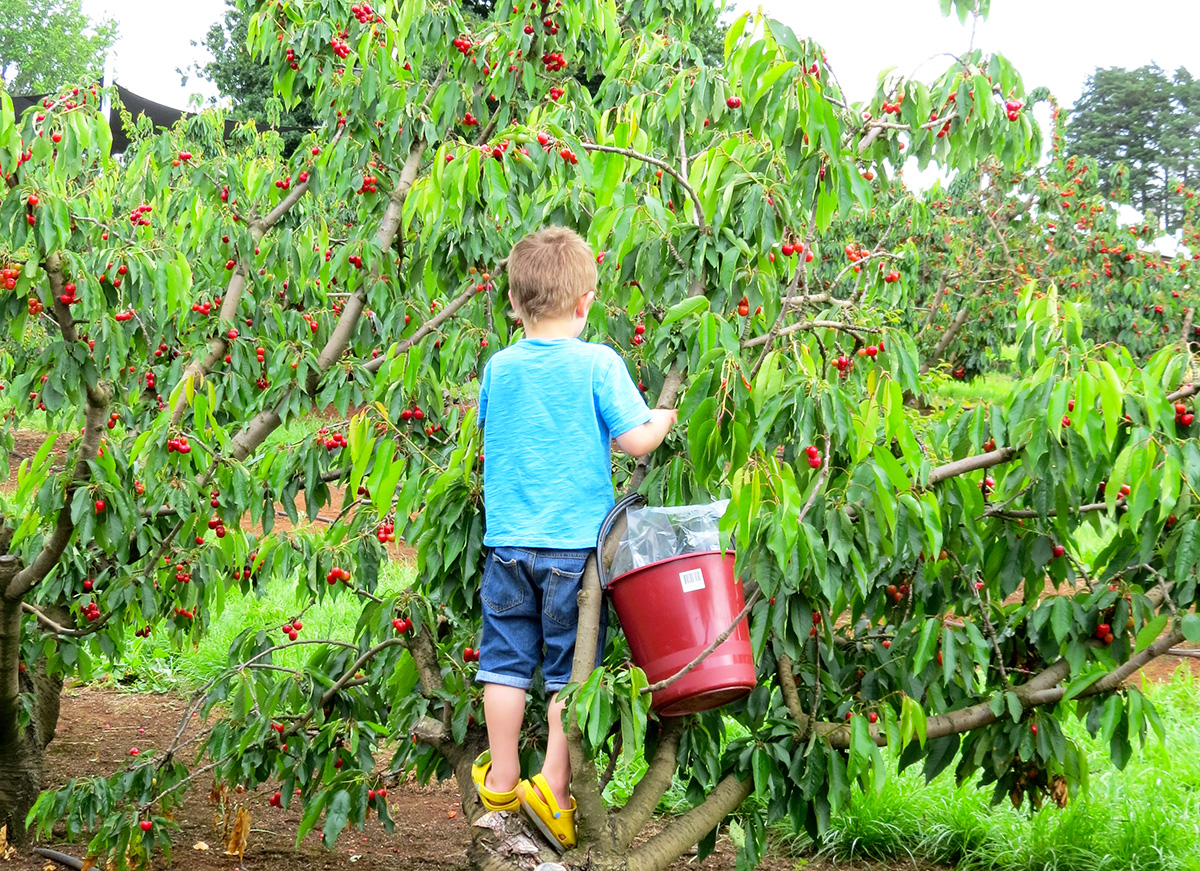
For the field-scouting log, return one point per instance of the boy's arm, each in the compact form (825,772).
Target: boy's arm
(643,439)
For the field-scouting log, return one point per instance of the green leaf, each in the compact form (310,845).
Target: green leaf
(1191,627)
(927,646)
(1151,631)
(690,306)
(336,817)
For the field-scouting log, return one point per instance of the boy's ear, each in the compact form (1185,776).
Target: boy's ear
(513,304)
(584,303)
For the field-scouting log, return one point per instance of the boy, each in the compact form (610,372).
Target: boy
(549,406)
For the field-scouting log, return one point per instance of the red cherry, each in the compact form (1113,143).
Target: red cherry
(99,506)
(873,717)
(146,825)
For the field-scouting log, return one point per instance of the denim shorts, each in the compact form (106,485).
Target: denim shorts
(530,604)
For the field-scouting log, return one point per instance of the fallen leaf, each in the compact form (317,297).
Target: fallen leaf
(199,845)
(89,862)
(240,835)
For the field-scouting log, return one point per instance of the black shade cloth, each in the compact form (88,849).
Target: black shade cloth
(160,115)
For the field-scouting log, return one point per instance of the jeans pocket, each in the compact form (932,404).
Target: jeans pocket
(502,588)
(562,596)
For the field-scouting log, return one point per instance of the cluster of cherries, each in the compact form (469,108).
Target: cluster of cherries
(291,630)
(554,61)
(248,570)
(217,526)
(1013,108)
(9,276)
(557,94)
(91,612)
(414,413)
(795,249)
(844,364)
(464,44)
(814,456)
(337,574)
(470,654)
(402,625)
(331,442)
(179,444)
(386,531)
(893,108)
(35,306)
(364,13)
(182,575)
(185,613)
(368,185)
(340,48)
(283,183)
(205,308)
(138,216)
(291,59)
(1183,417)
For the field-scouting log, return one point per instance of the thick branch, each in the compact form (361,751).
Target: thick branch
(971,464)
(424,330)
(95,423)
(653,785)
(687,830)
(268,420)
(218,346)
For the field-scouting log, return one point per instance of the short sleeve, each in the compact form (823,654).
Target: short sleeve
(617,397)
(484,382)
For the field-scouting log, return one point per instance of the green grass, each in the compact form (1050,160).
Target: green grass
(161,665)
(1145,818)
(992,387)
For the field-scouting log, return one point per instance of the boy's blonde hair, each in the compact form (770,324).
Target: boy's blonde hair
(548,272)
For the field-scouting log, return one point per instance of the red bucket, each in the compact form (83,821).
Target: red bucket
(673,609)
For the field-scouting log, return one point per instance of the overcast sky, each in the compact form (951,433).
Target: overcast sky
(1055,43)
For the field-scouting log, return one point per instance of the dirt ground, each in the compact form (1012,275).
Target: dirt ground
(99,724)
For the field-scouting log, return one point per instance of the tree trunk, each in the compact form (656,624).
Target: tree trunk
(21,747)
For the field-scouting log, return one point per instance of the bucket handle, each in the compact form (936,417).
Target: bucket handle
(630,501)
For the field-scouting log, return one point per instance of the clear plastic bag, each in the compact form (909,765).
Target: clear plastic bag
(658,533)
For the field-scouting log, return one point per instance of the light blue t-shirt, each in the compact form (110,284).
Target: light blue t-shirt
(549,409)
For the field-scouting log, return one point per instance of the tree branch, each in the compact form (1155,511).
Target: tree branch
(807,326)
(664,166)
(268,420)
(95,423)
(653,786)
(687,830)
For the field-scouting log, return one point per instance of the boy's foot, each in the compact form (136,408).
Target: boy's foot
(538,802)
(493,801)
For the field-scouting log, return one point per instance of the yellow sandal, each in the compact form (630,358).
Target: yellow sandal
(493,801)
(557,824)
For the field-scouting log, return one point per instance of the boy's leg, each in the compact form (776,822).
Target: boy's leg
(560,619)
(557,767)
(507,658)
(504,708)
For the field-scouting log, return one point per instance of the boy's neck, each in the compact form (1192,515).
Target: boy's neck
(553,328)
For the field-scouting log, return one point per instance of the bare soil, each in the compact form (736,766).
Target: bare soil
(101,722)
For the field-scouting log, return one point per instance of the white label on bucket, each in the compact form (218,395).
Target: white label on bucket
(692,580)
